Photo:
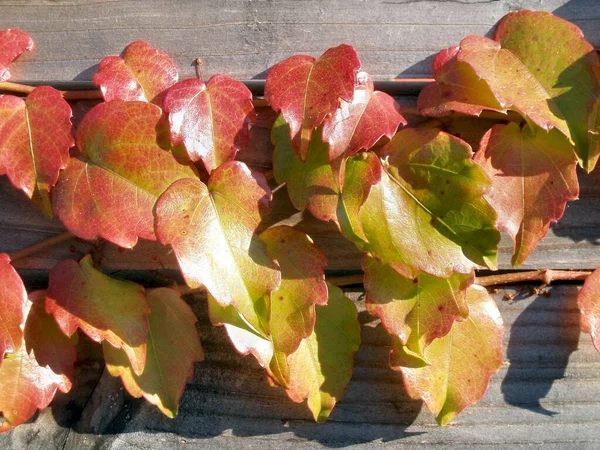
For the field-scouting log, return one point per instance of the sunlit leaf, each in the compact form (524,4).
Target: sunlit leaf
(173,348)
(13,43)
(111,190)
(461,363)
(534,176)
(310,183)
(35,138)
(588,301)
(25,387)
(360,124)
(211,120)
(13,299)
(143,73)
(302,263)
(43,337)
(564,70)
(417,310)
(305,90)
(211,229)
(105,309)
(427,213)
(321,367)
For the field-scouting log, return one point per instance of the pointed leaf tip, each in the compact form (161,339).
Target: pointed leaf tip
(13,43)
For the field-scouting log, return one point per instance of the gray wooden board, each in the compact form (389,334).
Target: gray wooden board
(546,395)
(243,38)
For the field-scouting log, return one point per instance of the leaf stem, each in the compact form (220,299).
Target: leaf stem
(32,249)
(87,94)
(546,276)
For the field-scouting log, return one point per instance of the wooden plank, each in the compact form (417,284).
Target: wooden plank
(545,395)
(243,38)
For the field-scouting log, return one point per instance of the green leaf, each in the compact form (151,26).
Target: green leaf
(105,309)
(310,182)
(173,348)
(427,213)
(111,190)
(461,363)
(212,230)
(418,310)
(302,263)
(534,176)
(564,70)
(321,367)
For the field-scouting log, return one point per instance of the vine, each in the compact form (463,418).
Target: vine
(156,160)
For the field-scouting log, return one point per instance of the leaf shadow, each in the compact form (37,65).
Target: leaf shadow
(542,339)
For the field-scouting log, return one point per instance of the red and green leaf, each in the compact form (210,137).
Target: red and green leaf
(105,309)
(212,230)
(460,363)
(305,90)
(51,347)
(321,368)
(13,43)
(35,138)
(211,120)
(310,183)
(427,213)
(111,190)
(143,73)
(533,175)
(173,348)
(13,299)
(417,310)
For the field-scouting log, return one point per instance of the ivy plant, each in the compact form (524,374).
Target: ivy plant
(505,123)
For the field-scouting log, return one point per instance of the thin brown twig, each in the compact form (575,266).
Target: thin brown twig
(546,276)
(87,94)
(32,249)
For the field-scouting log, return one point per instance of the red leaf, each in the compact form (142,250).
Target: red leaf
(79,296)
(143,73)
(35,138)
(534,176)
(305,90)
(51,347)
(13,43)
(112,190)
(13,299)
(588,301)
(211,120)
(360,124)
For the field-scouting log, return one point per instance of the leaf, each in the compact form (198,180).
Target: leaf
(417,310)
(143,73)
(310,183)
(360,124)
(35,138)
(110,192)
(105,309)
(565,71)
(211,120)
(362,172)
(13,43)
(13,299)
(534,176)
(427,213)
(305,90)
(462,362)
(302,286)
(212,232)
(588,301)
(51,347)
(321,367)
(25,387)
(245,338)
(173,348)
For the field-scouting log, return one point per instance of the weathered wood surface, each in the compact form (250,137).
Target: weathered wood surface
(546,395)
